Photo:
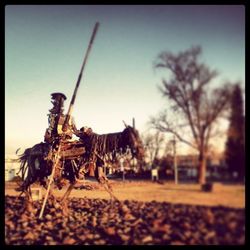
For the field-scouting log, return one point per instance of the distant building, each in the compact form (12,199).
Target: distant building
(188,166)
(187,161)
(12,166)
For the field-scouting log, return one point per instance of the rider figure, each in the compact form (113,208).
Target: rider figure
(56,120)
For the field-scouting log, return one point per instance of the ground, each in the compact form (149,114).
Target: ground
(223,194)
(147,213)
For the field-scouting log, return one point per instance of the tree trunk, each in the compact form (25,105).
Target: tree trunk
(202,168)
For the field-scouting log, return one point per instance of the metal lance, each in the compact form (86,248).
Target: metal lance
(66,122)
(57,158)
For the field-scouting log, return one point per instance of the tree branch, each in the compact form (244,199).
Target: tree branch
(163,125)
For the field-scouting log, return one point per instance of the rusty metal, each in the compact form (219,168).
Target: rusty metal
(50,181)
(64,159)
(65,125)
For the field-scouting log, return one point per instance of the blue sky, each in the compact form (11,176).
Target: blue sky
(45,46)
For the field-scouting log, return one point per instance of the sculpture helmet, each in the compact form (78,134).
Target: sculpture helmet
(58,96)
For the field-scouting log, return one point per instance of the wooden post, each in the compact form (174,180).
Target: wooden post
(175,162)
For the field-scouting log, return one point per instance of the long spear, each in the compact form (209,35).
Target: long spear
(66,122)
(57,158)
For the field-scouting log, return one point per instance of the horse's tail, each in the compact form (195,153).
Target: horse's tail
(29,171)
(24,167)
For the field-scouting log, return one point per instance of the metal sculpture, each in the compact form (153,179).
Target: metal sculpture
(76,160)
(59,158)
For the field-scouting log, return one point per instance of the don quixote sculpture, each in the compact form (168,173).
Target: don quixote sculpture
(60,159)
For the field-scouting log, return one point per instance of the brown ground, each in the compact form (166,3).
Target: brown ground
(222,194)
(147,214)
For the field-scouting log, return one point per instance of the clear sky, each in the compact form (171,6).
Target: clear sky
(45,46)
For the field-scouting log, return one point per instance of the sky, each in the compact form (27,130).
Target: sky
(45,46)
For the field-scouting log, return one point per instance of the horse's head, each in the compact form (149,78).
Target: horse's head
(134,141)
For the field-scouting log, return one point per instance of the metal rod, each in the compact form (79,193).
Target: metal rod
(65,125)
(50,181)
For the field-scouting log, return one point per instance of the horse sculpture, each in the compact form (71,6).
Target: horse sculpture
(63,159)
(37,162)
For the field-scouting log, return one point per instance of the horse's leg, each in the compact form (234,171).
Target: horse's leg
(26,186)
(45,183)
(52,197)
(28,202)
(105,183)
(64,202)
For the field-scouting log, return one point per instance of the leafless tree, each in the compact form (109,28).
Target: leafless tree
(192,102)
(153,144)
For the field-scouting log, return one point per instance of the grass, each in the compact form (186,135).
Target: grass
(227,195)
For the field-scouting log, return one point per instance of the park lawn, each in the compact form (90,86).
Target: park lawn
(222,194)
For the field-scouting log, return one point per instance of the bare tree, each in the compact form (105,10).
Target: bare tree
(196,107)
(153,144)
